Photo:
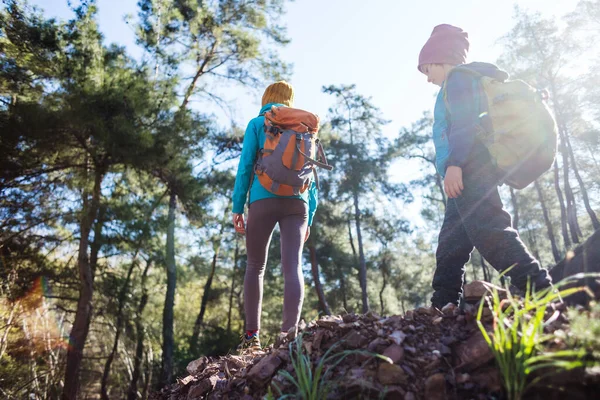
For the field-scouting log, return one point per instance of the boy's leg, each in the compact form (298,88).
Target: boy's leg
(293,225)
(453,252)
(261,221)
(489,225)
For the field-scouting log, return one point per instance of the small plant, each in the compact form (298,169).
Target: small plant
(311,382)
(517,336)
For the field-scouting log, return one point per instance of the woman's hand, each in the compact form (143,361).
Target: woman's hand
(453,183)
(307,234)
(239,223)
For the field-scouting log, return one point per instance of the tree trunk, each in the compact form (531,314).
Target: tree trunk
(236,257)
(83,316)
(584,193)
(216,248)
(351,239)
(97,243)
(570,198)
(515,206)
(119,325)
(314,267)
(148,372)
(548,222)
(168,339)
(140,336)
(362,269)
(563,212)
(383,286)
(343,288)
(207,286)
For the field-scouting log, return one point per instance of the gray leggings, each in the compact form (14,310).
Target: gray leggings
(292,216)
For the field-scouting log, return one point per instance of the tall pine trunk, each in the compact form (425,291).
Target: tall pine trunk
(140,336)
(119,324)
(563,212)
(236,257)
(207,287)
(314,268)
(548,222)
(362,268)
(584,193)
(205,295)
(570,198)
(83,315)
(168,340)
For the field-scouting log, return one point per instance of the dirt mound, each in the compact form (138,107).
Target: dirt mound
(426,354)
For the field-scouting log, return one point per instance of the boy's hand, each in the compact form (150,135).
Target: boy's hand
(453,182)
(239,223)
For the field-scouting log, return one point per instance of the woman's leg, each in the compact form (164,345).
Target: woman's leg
(259,227)
(293,225)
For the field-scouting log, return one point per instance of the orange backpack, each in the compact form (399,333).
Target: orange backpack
(286,162)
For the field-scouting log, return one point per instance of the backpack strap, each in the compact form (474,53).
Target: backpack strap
(321,154)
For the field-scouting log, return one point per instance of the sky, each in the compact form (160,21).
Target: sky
(373,44)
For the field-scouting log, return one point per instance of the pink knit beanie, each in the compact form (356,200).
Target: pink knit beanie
(447,45)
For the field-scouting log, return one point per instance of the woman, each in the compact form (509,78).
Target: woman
(294,215)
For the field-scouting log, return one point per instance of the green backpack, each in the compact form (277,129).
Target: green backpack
(523,138)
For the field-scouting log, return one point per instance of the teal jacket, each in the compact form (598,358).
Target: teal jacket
(254,137)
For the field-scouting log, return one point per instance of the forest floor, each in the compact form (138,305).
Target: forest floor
(427,354)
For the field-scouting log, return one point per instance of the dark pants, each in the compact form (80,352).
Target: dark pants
(477,218)
(292,216)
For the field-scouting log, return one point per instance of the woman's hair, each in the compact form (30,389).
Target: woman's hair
(279,92)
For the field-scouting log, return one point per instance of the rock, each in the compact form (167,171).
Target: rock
(377,345)
(205,386)
(435,364)
(330,321)
(197,366)
(488,378)
(394,320)
(410,396)
(355,340)
(390,374)
(448,340)
(372,316)
(475,290)
(411,350)
(350,325)
(265,369)
(394,392)
(302,325)
(350,318)
(398,337)
(449,308)
(425,311)
(186,380)
(435,387)
(473,353)
(395,352)
(317,339)
(462,378)
(409,316)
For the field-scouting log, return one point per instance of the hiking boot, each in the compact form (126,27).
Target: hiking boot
(249,343)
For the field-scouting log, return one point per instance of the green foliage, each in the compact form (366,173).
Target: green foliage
(584,330)
(517,336)
(312,381)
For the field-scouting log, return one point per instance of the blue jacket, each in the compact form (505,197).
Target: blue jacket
(455,126)
(254,137)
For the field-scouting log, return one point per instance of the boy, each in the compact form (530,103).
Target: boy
(475,216)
